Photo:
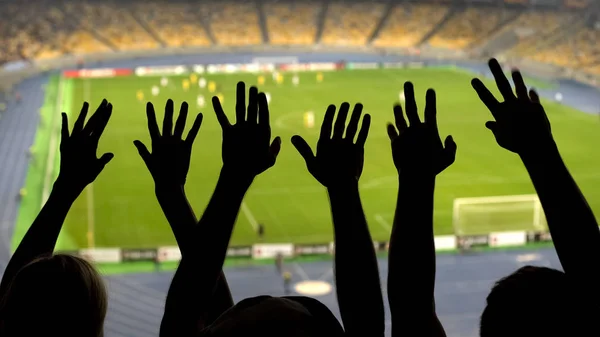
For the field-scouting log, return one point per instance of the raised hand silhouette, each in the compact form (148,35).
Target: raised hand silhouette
(169,161)
(339,159)
(247,146)
(521,124)
(418,149)
(79,165)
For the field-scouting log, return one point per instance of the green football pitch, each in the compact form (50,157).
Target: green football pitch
(120,209)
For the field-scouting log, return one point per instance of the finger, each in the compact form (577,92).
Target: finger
(181,119)
(80,122)
(364,131)
(221,117)
(450,150)
(194,130)
(105,159)
(340,122)
(327,122)
(411,104)
(64,131)
(143,151)
(275,148)
(391,131)
(263,109)
(431,109)
(485,96)
(253,105)
(501,80)
(520,86)
(303,148)
(354,119)
(240,103)
(152,124)
(399,118)
(91,124)
(102,121)
(534,96)
(168,119)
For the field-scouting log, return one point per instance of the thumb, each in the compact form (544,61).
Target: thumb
(143,151)
(105,159)
(303,148)
(275,148)
(450,150)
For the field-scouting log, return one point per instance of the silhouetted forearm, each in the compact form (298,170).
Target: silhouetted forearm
(356,273)
(42,235)
(411,278)
(181,217)
(572,224)
(201,268)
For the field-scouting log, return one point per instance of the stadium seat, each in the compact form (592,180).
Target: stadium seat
(233,24)
(351,24)
(293,23)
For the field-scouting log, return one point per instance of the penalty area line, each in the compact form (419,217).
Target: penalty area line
(248,214)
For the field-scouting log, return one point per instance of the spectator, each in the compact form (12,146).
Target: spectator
(537,301)
(338,166)
(419,156)
(58,295)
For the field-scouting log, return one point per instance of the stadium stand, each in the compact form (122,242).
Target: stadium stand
(534,26)
(292,23)
(233,24)
(469,26)
(351,24)
(175,24)
(408,24)
(112,22)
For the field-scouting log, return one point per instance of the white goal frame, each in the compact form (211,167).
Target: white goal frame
(538,214)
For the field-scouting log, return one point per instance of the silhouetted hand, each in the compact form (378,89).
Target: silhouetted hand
(247,147)
(339,159)
(79,165)
(418,149)
(521,124)
(169,161)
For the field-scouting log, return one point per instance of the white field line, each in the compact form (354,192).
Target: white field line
(249,216)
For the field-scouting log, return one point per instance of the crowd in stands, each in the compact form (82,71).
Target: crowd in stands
(292,23)
(469,26)
(45,30)
(408,24)
(351,24)
(43,293)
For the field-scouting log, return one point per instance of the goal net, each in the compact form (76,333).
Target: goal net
(483,215)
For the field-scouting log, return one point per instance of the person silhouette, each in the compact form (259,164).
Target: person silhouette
(43,293)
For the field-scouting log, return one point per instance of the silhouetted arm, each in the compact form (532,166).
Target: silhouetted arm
(338,166)
(419,156)
(356,272)
(572,224)
(78,167)
(521,126)
(191,301)
(169,163)
(198,291)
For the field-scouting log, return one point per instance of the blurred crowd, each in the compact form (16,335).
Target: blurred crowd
(48,29)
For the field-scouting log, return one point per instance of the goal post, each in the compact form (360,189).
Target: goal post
(484,215)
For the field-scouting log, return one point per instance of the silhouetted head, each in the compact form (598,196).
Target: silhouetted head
(533,301)
(59,295)
(292,316)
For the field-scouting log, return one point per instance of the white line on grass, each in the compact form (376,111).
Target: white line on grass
(90,190)
(90,216)
(53,146)
(381,221)
(249,216)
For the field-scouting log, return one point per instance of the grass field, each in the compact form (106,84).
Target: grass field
(121,210)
